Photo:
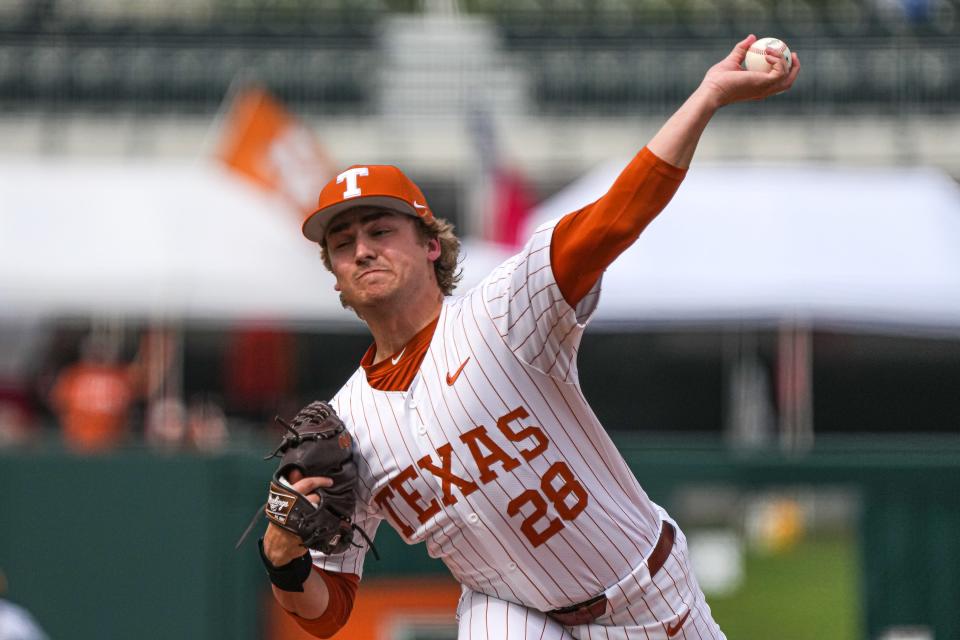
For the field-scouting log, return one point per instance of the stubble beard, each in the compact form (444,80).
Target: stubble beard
(368,302)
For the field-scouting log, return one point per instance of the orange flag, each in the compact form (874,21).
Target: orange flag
(267,144)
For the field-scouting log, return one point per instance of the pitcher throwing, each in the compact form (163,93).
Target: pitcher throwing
(471,431)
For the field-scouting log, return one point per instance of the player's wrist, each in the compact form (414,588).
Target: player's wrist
(281,547)
(708,97)
(290,575)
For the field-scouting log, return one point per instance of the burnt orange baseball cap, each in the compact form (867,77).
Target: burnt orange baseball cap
(373,185)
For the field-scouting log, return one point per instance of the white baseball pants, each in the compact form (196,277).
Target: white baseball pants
(666,606)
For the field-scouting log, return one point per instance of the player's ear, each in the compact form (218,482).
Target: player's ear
(433,249)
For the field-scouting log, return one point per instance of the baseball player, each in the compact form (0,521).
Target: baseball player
(472,431)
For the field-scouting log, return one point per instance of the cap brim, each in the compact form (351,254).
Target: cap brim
(316,223)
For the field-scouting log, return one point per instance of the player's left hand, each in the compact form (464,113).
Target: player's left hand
(279,545)
(726,82)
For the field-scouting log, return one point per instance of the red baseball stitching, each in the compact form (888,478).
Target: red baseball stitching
(780,50)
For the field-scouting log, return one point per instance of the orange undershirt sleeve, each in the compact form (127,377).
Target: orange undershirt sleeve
(587,241)
(343,590)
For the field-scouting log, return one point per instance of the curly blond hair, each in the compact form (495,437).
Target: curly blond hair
(445,267)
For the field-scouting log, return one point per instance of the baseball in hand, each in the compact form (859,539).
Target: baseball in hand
(756,59)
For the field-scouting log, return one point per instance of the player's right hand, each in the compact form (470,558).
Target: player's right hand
(279,545)
(727,82)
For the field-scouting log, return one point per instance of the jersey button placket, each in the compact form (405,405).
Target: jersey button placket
(411,397)
(412,415)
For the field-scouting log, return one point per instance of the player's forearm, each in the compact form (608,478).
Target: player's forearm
(324,606)
(311,603)
(677,140)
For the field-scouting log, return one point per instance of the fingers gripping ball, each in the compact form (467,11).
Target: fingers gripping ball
(756,59)
(318,445)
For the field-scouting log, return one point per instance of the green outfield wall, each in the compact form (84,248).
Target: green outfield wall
(137,544)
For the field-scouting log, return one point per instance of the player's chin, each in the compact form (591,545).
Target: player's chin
(368,296)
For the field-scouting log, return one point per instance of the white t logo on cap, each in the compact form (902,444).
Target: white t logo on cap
(350,175)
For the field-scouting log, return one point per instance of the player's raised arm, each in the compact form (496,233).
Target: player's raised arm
(586,242)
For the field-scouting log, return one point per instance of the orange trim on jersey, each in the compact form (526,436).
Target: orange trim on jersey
(587,241)
(342,588)
(397,372)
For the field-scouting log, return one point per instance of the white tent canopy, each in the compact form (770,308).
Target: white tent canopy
(871,246)
(155,241)
(834,245)
(150,240)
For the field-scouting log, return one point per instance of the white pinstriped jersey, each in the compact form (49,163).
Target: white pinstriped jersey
(492,456)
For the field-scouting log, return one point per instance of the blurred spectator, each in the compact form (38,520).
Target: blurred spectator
(20,344)
(166,423)
(171,426)
(165,419)
(15,418)
(159,362)
(92,398)
(16,623)
(206,425)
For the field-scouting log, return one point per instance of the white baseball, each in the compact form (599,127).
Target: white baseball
(756,59)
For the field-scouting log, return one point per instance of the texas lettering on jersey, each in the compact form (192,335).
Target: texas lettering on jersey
(557,485)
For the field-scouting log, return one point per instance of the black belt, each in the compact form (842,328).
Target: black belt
(591,609)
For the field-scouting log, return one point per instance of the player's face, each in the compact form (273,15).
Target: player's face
(378,256)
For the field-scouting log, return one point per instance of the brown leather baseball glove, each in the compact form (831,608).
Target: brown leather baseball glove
(318,444)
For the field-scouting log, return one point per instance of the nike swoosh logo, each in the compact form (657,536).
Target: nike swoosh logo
(674,629)
(400,355)
(453,378)
(418,205)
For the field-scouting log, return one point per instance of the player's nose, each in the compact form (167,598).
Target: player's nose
(363,250)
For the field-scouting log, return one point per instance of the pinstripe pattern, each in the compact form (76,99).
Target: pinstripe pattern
(667,606)
(506,474)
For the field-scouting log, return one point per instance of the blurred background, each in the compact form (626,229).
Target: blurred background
(778,357)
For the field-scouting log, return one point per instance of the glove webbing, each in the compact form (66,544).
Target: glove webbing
(296,439)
